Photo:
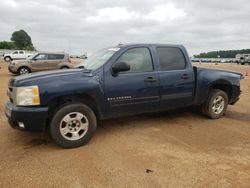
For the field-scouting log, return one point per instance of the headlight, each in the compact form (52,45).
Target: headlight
(27,96)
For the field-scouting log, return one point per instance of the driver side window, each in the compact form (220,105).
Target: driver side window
(41,57)
(139,60)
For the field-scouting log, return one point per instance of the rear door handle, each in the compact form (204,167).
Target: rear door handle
(150,79)
(185,76)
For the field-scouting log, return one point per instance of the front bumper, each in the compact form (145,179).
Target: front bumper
(12,69)
(33,118)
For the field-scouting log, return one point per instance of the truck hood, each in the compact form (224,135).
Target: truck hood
(49,76)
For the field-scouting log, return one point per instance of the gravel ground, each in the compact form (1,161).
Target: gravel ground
(172,149)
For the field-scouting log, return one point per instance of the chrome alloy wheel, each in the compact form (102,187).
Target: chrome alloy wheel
(24,71)
(7,59)
(74,126)
(218,105)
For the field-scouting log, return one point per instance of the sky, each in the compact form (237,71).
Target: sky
(79,26)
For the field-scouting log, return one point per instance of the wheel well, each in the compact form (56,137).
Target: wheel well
(8,57)
(64,66)
(227,88)
(59,102)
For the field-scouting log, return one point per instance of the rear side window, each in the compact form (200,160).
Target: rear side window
(171,58)
(55,56)
(21,52)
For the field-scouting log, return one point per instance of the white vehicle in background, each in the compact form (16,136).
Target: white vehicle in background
(242,59)
(17,54)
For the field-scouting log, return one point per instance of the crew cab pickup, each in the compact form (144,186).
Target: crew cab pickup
(17,54)
(118,81)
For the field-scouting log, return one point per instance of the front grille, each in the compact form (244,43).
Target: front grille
(11,90)
(10,93)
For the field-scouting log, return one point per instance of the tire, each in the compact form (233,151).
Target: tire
(73,125)
(7,59)
(23,70)
(216,104)
(64,67)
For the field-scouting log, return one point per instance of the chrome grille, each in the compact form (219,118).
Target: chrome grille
(10,93)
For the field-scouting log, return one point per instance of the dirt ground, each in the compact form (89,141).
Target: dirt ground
(173,149)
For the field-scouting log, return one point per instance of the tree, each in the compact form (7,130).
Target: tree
(7,45)
(22,40)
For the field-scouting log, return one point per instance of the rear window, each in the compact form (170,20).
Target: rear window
(55,56)
(171,58)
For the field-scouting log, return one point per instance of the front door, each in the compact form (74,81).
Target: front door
(133,91)
(39,62)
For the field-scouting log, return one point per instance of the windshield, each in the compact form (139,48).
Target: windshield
(32,56)
(96,60)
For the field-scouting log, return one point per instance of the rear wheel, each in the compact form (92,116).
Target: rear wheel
(73,125)
(7,59)
(216,104)
(23,70)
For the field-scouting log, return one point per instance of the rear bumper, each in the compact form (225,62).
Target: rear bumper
(235,101)
(235,97)
(33,118)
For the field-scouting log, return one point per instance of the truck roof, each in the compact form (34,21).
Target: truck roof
(148,44)
(51,52)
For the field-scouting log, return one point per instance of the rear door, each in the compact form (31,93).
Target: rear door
(176,78)
(21,55)
(54,60)
(136,90)
(39,62)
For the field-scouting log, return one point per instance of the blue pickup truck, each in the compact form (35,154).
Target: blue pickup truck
(118,81)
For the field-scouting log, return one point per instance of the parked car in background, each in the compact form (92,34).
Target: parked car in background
(195,60)
(17,54)
(84,56)
(41,61)
(119,81)
(242,59)
(74,56)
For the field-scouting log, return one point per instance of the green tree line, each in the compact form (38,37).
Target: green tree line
(20,40)
(222,53)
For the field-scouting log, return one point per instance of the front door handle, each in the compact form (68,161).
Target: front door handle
(185,76)
(150,79)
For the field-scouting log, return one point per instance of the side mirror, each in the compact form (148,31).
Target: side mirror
(120,67)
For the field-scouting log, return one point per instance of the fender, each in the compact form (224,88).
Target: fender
(207,79)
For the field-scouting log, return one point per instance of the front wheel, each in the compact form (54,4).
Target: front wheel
(73,125)
(7,59)
(23,70)
(216,104)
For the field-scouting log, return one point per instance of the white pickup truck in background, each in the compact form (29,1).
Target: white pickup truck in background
(17,54)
